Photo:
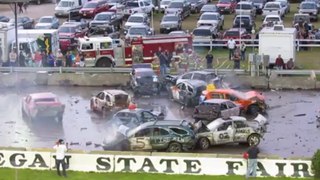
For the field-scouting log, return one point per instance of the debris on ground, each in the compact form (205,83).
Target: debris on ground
(82,129)
(76,101)
(88,143)
(10,122)
(74,143)
(298,115)
(97,145)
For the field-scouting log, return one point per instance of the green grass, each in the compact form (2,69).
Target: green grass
(24,174)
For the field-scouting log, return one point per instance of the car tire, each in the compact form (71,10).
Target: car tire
(174,147)
(253,109)
(253,139)
(204,143)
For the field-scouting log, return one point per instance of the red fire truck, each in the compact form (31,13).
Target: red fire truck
(104,51)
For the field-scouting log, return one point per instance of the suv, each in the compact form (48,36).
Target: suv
(169,135)
(205,32)
(300,18)
(196,5)
(108,99)
(309,8)
(179,7)
(90,9)
(244,21)
(273,8)
(211,19)
(140,6)
(68,34)
(236,33)
(259,4)
(246,8)
(271,20)
(136,19)
(106,19)
(226,6)
(170,22)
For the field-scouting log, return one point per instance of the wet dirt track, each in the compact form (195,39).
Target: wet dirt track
(292,131)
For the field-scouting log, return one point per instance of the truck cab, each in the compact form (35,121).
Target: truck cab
(64,6)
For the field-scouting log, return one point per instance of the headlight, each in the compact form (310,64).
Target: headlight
(227,7)
(155,79)
(91,11)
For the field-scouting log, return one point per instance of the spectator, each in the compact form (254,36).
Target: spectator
(253,152)
(209,58)
(243,48)
(61,149)
(29,60)
(38,58)
(44,59)
(290,64)
(20,4)
(231,44)
(68,59)
(279,63)
(25,6)
(1,61)
(22,59)
(82,61)
(59,62)
(13,57)
(236,60)
(51,60)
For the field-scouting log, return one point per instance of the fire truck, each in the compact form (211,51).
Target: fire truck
(106,52)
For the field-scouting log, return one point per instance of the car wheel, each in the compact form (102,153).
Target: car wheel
(254,139)
(204,143)
(174,147)
(253,109)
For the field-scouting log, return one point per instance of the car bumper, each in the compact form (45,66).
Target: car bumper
(224,10)
(87,15)
(168,29)
(61,14)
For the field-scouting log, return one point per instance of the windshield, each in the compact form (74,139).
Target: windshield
(135,19)
(244,6)
(273,19)
(138,31)
(44,100)
(145,73)
(170,18)
(64,29)
(209,17)
(132,4)
(165,2)
(193,1)
(272,6)
(45,20)
(202,32)
(232,33)
(90,5)
(257,1)
(224,1)
(242,18)
(302,18)
(308,6)
(211,8)
(65,4)
(13,21)
(102,17)
(175,5)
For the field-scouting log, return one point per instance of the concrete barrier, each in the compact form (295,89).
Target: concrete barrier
(293,83)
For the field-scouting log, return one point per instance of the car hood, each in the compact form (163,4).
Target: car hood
(129,24)
(254,94)
(208,22)
(99,22)
(87,9)
(43,25)
(173,9)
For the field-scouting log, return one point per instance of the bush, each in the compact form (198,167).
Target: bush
(315,164)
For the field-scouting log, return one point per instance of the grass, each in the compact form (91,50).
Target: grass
(25,174)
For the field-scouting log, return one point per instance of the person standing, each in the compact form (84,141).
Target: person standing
(51,60)
(209,58)
(61,149)
(22,59)
(59,62)
(68,59)
(1,61)
(20,4)
(13,57)
(37,59)
(290,64)
(25,6)
(236,60)
(44,59)
(243,49)
(253,152)
(231,44)
(279,63)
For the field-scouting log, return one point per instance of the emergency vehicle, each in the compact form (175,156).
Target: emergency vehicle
(106,52)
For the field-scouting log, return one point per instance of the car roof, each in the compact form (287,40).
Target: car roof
(144,70)
(243,15)
(136,110)
(211,13)
(47,17)
(109,12)
(138,14)
(216,101)
(200,72)
(223,91)
(204,27)
(195,82)
(139,26)
(245,2)
(42,95)
(307,2)
(69,25)
(272,15)
(114,91)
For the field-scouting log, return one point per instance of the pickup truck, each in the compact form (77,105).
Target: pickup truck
(273,8)
(140,6)
(107,18)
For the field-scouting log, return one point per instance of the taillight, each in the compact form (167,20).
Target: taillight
(196,111)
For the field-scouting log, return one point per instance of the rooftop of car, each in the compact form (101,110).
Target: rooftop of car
(115,91)
(211,13)
(139,14)
(273,15)
(223,91)
(201,72)
(107,13)
(43,95)
(140,26)
(243,15)
(216,101)
(194,82)
(131,110)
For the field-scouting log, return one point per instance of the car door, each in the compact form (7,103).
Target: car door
(234,110)
(183,93)
(147,117)
(100,100)
(175,91)
(108,100)
(224,133)
(141,140)
(225,113)
(242,131)
(160,138)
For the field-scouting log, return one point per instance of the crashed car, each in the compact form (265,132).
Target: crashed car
(251,102)
(159,110)
(42,105)
(212,109)
(187,92)
(143,80)
(235,129)
(108,99)
(169,135)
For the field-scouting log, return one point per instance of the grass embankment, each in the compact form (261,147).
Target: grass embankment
(25,174)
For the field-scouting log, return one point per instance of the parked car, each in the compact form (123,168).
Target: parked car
(47,22)
(187,92)
(236,129)
(91,8)
(259,4)
(309,8)
(227,6)
(251,102)
(272,19)
(4,19)
(23,21)
(170,22)
(68,34)
(108,99)
(136,19)
(211,19)
(206,76)
(246,8)
(163,5)
(143,80)
(177,33)
(170,135)
(208,8)
(273,8)
(139,31)
(106,19)
(315,1)
(196,5)
(286,4)
(211,109)
(40,105)
(203,32)
(134,117)
(237,33)
(300,18)
(140,6)
(180,8)
(244,21)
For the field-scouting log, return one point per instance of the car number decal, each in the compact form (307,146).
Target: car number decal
(224,136)
(247,131)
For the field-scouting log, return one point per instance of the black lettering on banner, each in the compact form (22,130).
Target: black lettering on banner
(262,169)
(2,161)
(103,163)
(13,160)
(304,169)
(169,164)
(233,165)
(66,158)
(280,169)
(192,166)
(147,163)
(127,161)
(38,160)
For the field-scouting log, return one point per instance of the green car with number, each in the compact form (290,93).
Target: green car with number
(168,135)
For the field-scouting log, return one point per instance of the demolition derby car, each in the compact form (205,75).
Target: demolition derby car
(212,109)
(108,99)
(42,105)
(169,135)
(251,102)
(143,80)
(235,129)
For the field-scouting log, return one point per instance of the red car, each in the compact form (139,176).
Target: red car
(90,9)
(68,34)
(226,6)
(236,33)
(39,105)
